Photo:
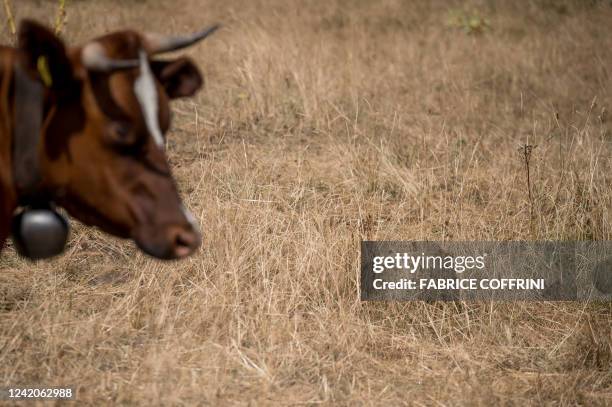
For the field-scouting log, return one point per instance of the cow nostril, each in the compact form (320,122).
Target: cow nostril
(182,240)
(185,243)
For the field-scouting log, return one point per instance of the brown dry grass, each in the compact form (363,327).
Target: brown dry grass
(324,123)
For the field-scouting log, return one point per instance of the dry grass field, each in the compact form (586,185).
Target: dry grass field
(324,123)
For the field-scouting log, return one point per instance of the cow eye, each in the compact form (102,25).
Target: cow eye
(120,134)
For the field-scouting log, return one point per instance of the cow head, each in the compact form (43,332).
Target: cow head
(106,113)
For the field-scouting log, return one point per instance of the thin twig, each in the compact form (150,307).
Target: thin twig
(526,150)
(9,17)
(61,16)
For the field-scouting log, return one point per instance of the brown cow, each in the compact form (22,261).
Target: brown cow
(105,110)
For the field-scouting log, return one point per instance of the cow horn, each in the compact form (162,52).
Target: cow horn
(94,58)
(158,44)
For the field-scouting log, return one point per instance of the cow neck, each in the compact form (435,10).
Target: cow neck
(27,134)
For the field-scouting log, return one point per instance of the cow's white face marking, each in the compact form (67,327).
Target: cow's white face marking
(190,218)
(146,93)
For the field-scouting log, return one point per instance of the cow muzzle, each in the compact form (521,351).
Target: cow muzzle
(171,241)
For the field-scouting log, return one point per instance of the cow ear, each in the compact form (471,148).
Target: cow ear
(44,54)
(180,77)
